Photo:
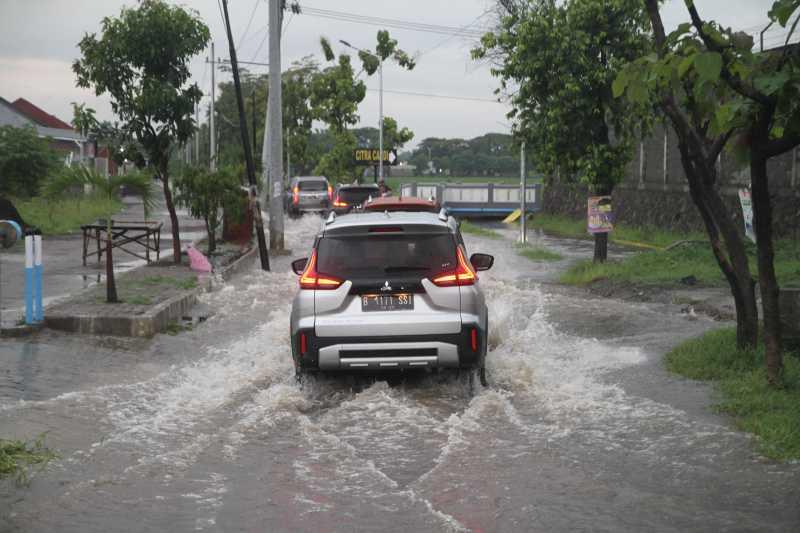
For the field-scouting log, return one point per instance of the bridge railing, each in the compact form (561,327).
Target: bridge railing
(477,199)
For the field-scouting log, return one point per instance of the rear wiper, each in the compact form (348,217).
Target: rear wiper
(404,268)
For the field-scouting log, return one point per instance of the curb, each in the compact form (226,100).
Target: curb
(20,331)
(144,325)
(152,322)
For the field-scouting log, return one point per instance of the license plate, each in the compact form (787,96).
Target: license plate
(387,302)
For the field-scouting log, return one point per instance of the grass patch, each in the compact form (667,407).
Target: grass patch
(16,457)
(480,231)
(771,414)
(537,253)
(651,268)
(647,235)
(66,215)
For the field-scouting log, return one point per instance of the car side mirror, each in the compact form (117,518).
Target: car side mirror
(299,265)
(481,261)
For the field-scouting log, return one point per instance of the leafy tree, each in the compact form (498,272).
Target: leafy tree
(141,61)
(729,91)
(558,60)
(205,194)
(336,93)
(25,161)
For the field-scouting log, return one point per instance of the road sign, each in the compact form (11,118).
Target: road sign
(371,156)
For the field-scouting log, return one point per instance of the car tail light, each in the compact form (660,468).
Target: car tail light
(304,344)
(339,203)
(311,279)
(462,275)
(330,193)
(473,337)
(296,195)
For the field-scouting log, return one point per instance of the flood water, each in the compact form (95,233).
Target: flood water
(580,429)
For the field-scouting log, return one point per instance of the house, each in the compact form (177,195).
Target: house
(63,138)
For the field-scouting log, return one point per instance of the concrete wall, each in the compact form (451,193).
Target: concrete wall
(655,192)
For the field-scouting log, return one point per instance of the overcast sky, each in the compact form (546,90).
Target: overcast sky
(38,41)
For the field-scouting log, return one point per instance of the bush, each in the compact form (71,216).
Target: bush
(25,161)
(204,194)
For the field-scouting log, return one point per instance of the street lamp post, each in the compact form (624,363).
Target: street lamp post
(380,103)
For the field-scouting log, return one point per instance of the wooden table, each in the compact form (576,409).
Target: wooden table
(124,234)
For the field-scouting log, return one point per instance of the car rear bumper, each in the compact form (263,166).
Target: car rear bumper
(389,353)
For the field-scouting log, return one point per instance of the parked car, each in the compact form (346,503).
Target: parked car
(308,194)
(399,203)
(349,197)
(389,291)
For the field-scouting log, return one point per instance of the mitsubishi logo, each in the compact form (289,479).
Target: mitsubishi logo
(386,287)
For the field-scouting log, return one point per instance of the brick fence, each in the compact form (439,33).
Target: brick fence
(655,191)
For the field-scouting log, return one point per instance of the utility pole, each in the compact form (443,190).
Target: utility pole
(522,193)
(380,122)
(212,157)
(253,100)
(248,153)
(197,133)
(275,118)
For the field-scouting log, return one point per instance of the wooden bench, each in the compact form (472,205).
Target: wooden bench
(124,234)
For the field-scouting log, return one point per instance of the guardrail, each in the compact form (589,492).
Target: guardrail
(477,199)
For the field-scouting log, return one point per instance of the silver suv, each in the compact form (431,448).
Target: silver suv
(308,194)
(389,291)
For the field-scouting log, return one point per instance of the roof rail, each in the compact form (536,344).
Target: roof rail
(331,218)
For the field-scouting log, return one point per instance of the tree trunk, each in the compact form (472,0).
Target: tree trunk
(173,218)
(734,265)
(212,237)
(111,284)
(762,223)
(600,247)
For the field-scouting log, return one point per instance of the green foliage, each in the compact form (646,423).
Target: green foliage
(65,213)
(721,83)
(668,267)
(25,161)
(652,268)
(643,236)
(558,61)
(492,154)
(772,414)
(205,194)
(337,162)
(16,457)
(141,61)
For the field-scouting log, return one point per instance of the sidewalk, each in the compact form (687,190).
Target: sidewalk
(64,273)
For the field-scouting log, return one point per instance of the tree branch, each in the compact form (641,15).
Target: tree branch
(735,83)
(776,147)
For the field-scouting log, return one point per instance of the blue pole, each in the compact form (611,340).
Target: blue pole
(29,279)
(38,312)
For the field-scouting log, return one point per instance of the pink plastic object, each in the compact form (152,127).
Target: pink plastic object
(197,261)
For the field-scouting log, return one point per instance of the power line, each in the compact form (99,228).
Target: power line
(391,23)
(443,96)
(249,22)
(449,37)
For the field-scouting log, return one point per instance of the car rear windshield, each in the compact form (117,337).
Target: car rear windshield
(312,186)
(357,195)
(384,256)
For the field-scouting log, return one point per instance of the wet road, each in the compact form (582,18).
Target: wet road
(580,429)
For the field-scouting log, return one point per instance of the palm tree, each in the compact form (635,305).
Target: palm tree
(111,188)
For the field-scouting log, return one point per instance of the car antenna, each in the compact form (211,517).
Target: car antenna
(331,218)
